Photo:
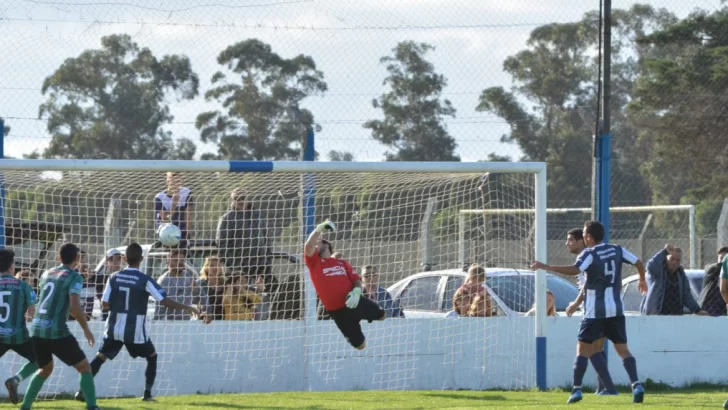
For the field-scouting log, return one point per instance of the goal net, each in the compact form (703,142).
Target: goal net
(248,272)
(642,229)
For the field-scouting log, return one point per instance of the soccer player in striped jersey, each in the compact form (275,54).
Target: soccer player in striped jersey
(605,386)
(16,298)
(604,314)
(60,290)
(125,297)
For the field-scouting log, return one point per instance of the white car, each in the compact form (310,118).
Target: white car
(430,294)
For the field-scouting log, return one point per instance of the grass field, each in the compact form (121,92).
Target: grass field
(360,400)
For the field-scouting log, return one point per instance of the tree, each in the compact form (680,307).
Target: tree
(259,121)
(680,108)
(110,103)
(340,156)
(413,110)
(556,76)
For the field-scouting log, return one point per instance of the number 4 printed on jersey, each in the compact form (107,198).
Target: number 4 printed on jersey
(609,269)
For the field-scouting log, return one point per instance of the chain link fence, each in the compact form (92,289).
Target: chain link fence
(402,80)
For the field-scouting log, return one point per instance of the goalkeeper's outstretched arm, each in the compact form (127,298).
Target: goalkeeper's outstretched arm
(310,246)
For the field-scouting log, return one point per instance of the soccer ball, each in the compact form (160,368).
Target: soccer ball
(169,235)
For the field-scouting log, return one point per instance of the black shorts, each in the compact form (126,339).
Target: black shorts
(65,349)
(347,320)
(613,328)
(24,349)
(110,348)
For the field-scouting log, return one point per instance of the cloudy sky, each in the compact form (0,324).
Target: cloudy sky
(346,38)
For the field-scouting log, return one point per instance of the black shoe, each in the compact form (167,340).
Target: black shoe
(12,385)
(79,397)
(147,396)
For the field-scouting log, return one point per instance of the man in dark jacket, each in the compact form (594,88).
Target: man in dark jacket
(242,240)
(669,290)
(710,299)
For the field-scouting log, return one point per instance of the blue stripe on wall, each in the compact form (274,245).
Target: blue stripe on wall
(251,166)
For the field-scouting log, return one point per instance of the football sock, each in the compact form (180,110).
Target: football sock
(579,369)
(600,366)
(151,372)
(89,389)
(26,371)
(36,383)
(630,365)
(96,365)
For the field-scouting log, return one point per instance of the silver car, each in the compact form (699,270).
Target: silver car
(632,298)
(430,294)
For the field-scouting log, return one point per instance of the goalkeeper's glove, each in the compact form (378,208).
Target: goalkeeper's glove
(326,226)
(352,299)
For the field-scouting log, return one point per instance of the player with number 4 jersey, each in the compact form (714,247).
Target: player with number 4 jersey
(126,296)
(16,299)
(604,314)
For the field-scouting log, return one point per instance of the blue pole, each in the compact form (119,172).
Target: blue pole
(2,186)
(604,144)
(309,218)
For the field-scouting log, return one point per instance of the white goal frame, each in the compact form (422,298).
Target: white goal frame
(462,222)
(307,171)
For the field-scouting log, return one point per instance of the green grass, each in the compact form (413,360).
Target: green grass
(672,399)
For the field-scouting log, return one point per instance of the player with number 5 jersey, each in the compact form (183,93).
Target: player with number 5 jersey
(604,315)
(16,299)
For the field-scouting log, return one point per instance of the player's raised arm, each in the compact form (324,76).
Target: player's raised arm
(310,246)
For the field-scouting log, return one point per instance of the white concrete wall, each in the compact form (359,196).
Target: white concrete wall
(401,354)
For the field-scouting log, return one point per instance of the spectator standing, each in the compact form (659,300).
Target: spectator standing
(481,306)
(242,240)
(174,205)
(182,286)
(372,290)
(212,277)
(114,263)
(710,299)
(668,287)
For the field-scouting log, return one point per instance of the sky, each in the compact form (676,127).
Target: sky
(346,38)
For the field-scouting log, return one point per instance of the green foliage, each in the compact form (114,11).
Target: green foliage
(554,78)
(340,156)
(413,110)
(679,107)
(110,103)
(260,121)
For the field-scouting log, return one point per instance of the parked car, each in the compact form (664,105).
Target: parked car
(430,294)
(631,296)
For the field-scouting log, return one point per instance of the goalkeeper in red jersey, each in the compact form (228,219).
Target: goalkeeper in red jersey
(339,287)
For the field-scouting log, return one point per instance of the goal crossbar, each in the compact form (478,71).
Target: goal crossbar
(616,209)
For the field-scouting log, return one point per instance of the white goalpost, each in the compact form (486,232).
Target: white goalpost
(629,223)
(269,335)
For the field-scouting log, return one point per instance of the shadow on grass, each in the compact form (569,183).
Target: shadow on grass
(456,396)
